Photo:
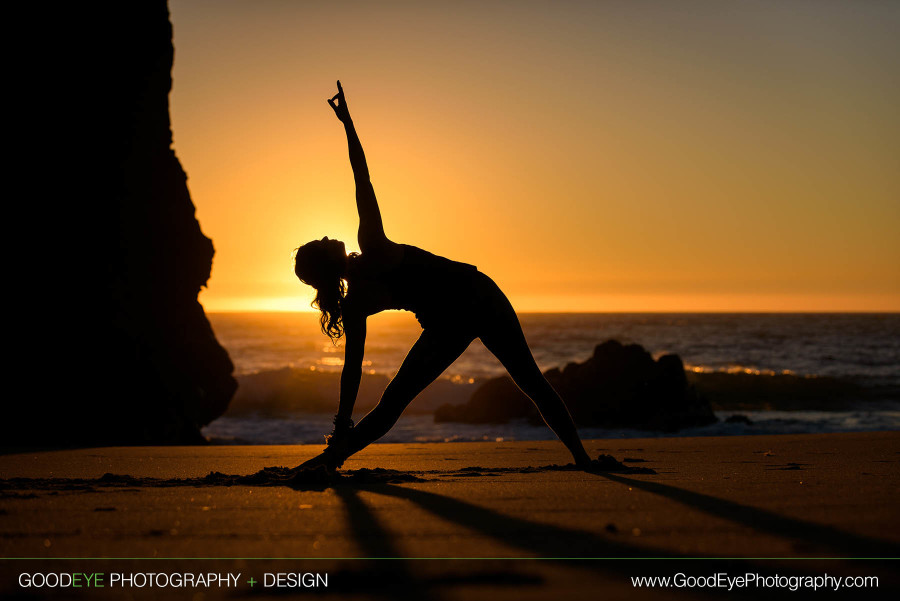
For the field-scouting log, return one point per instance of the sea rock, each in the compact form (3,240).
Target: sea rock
(620,386)
(116,347)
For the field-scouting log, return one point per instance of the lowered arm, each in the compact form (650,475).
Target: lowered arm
(355,333)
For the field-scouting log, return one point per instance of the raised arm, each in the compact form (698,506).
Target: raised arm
(371,229)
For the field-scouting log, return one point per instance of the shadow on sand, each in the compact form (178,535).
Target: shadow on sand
(545,543)
(813,537)
(387,569)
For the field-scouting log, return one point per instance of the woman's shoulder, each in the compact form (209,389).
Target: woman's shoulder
(380,249)
(381,256)
(370,264)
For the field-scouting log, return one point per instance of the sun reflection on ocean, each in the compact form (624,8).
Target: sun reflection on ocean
(740,369)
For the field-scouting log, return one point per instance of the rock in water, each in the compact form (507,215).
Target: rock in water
(117,347)
(620,386)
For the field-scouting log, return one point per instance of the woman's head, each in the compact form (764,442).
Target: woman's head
(322,264)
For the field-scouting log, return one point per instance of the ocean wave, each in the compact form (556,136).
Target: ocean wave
(768,390)
(291,390)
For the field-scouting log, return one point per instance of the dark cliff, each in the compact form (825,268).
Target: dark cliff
(117,348)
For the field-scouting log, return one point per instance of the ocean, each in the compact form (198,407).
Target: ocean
(269,349)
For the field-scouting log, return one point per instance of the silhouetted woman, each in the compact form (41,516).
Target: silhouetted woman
(454,302)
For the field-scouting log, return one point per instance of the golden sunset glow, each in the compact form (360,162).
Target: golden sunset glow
(588,156)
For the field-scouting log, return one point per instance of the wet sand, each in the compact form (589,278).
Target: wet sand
(811,501)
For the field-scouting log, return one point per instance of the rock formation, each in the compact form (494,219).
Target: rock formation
(618,387)
(117,346)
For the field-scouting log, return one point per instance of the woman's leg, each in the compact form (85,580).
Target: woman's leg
(503,336)
(433,352)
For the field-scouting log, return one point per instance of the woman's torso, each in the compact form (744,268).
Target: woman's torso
(435,288)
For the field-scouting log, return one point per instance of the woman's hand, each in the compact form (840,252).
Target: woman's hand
(340,108)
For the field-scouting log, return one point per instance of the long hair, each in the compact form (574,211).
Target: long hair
(313,266)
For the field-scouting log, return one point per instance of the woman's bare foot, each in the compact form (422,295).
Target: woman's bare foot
(326,458)
(604,463)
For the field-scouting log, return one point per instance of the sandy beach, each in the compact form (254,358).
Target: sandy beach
(772,504)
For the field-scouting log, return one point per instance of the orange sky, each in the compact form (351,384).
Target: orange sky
(589,156)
